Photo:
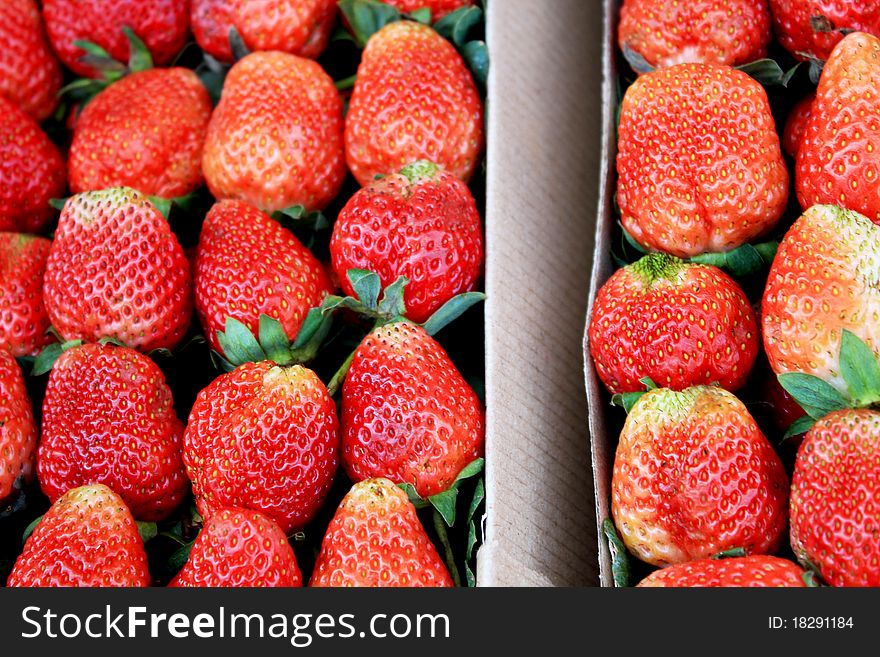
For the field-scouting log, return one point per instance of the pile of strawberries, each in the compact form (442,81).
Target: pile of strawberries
(741,331)
(260,232)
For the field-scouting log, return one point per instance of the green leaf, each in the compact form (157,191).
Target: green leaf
(475,467)
(179,558)
(811,579)
(799,426)
(239,344)
(447,548)
(109,339)
(58,203)
(139,57)
(766,71)
(392,304)
(220,362)
(451,310)
(92,49)
(860,370)
(422,15)
(274,340)
(147,530)
(415,499)
(626,399)
(730,554)
(648,382)
(620,570)
(742,261)
(345,83)
(476,56)
(30,529)
(456,25)
(366,286)
(163,205)
(366,17)
(631,241)
(237,45)
(479,495)
(790,73)
(47,357)
(445,504)
(295,212)
(814,395)
(636,62)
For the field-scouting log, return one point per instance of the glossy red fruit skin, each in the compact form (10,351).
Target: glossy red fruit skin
(31,172)
(694,476)
(266,438)
(792,23)
(29,73)
(247,265)
(709,31)
(163,26)
(439,8)
(796,125)
(108,418)
(376,539)
(426,228)
(116,270)
(18,433)
(835,498)
(753,571)
(407,413)
(275,139)
(145,131)
(211,21)
(414,99)
(88,538)
(239,548)
(691,178)
(23,318)
(680,324)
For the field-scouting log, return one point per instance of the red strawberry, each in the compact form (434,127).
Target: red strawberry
(694,476)
(18,435)
(839,158)
(23,318)
(439,8)
(796,125)
(407,413)
(145,131)
(375,539)
(275,139)
(698,160)
(679,324)
(421,223)
(809,29)
(163,25)
(31,172)
(414,99)
(266,438)
(29,73)
(713,31)
(108,418)
(248,265)
(87,538)
(116,270)
(239,548)
(756,570)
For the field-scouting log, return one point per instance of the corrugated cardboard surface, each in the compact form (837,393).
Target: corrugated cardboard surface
(543,152)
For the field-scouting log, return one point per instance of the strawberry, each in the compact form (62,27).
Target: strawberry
(108,418)
(756,570)
(699,165)
(247,265)
(839,158)
(31,172)
(439,8)
(712,31)
(266,438)
(116,270)
(163,26)
(145,131)
(238,548)
(29,73)
(413,99)
(810,29)
(299,27)
(23,318)
(680,324)
(421,223)
(694,476)
(18,435)
(407,413)
(796,125)
(87,538)
(376,539)
(275,139)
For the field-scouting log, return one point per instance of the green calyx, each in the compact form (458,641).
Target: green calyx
(419,170)
(444,502)
(620,568)
(655,267)
(45,360)
(628,399)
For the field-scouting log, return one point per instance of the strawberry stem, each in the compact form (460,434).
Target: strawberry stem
(339,377)
(440,528)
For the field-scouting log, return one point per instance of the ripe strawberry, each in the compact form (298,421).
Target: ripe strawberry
(407,413)
(31,172)
(680,324)
(29,73)
(839,158)
(18,435)
(145,131)
(692,178)
(810,29)
(248,265)
(116,270)
(756,570)
(439,8)
(87,538)
(163,25)
(421,223)
(266,438)
(299,27)
(238,548)
(376,539)
(108,418)
(796,125)
(23,318)
(712,31)
(413,99)
(275,139)
(694,476)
